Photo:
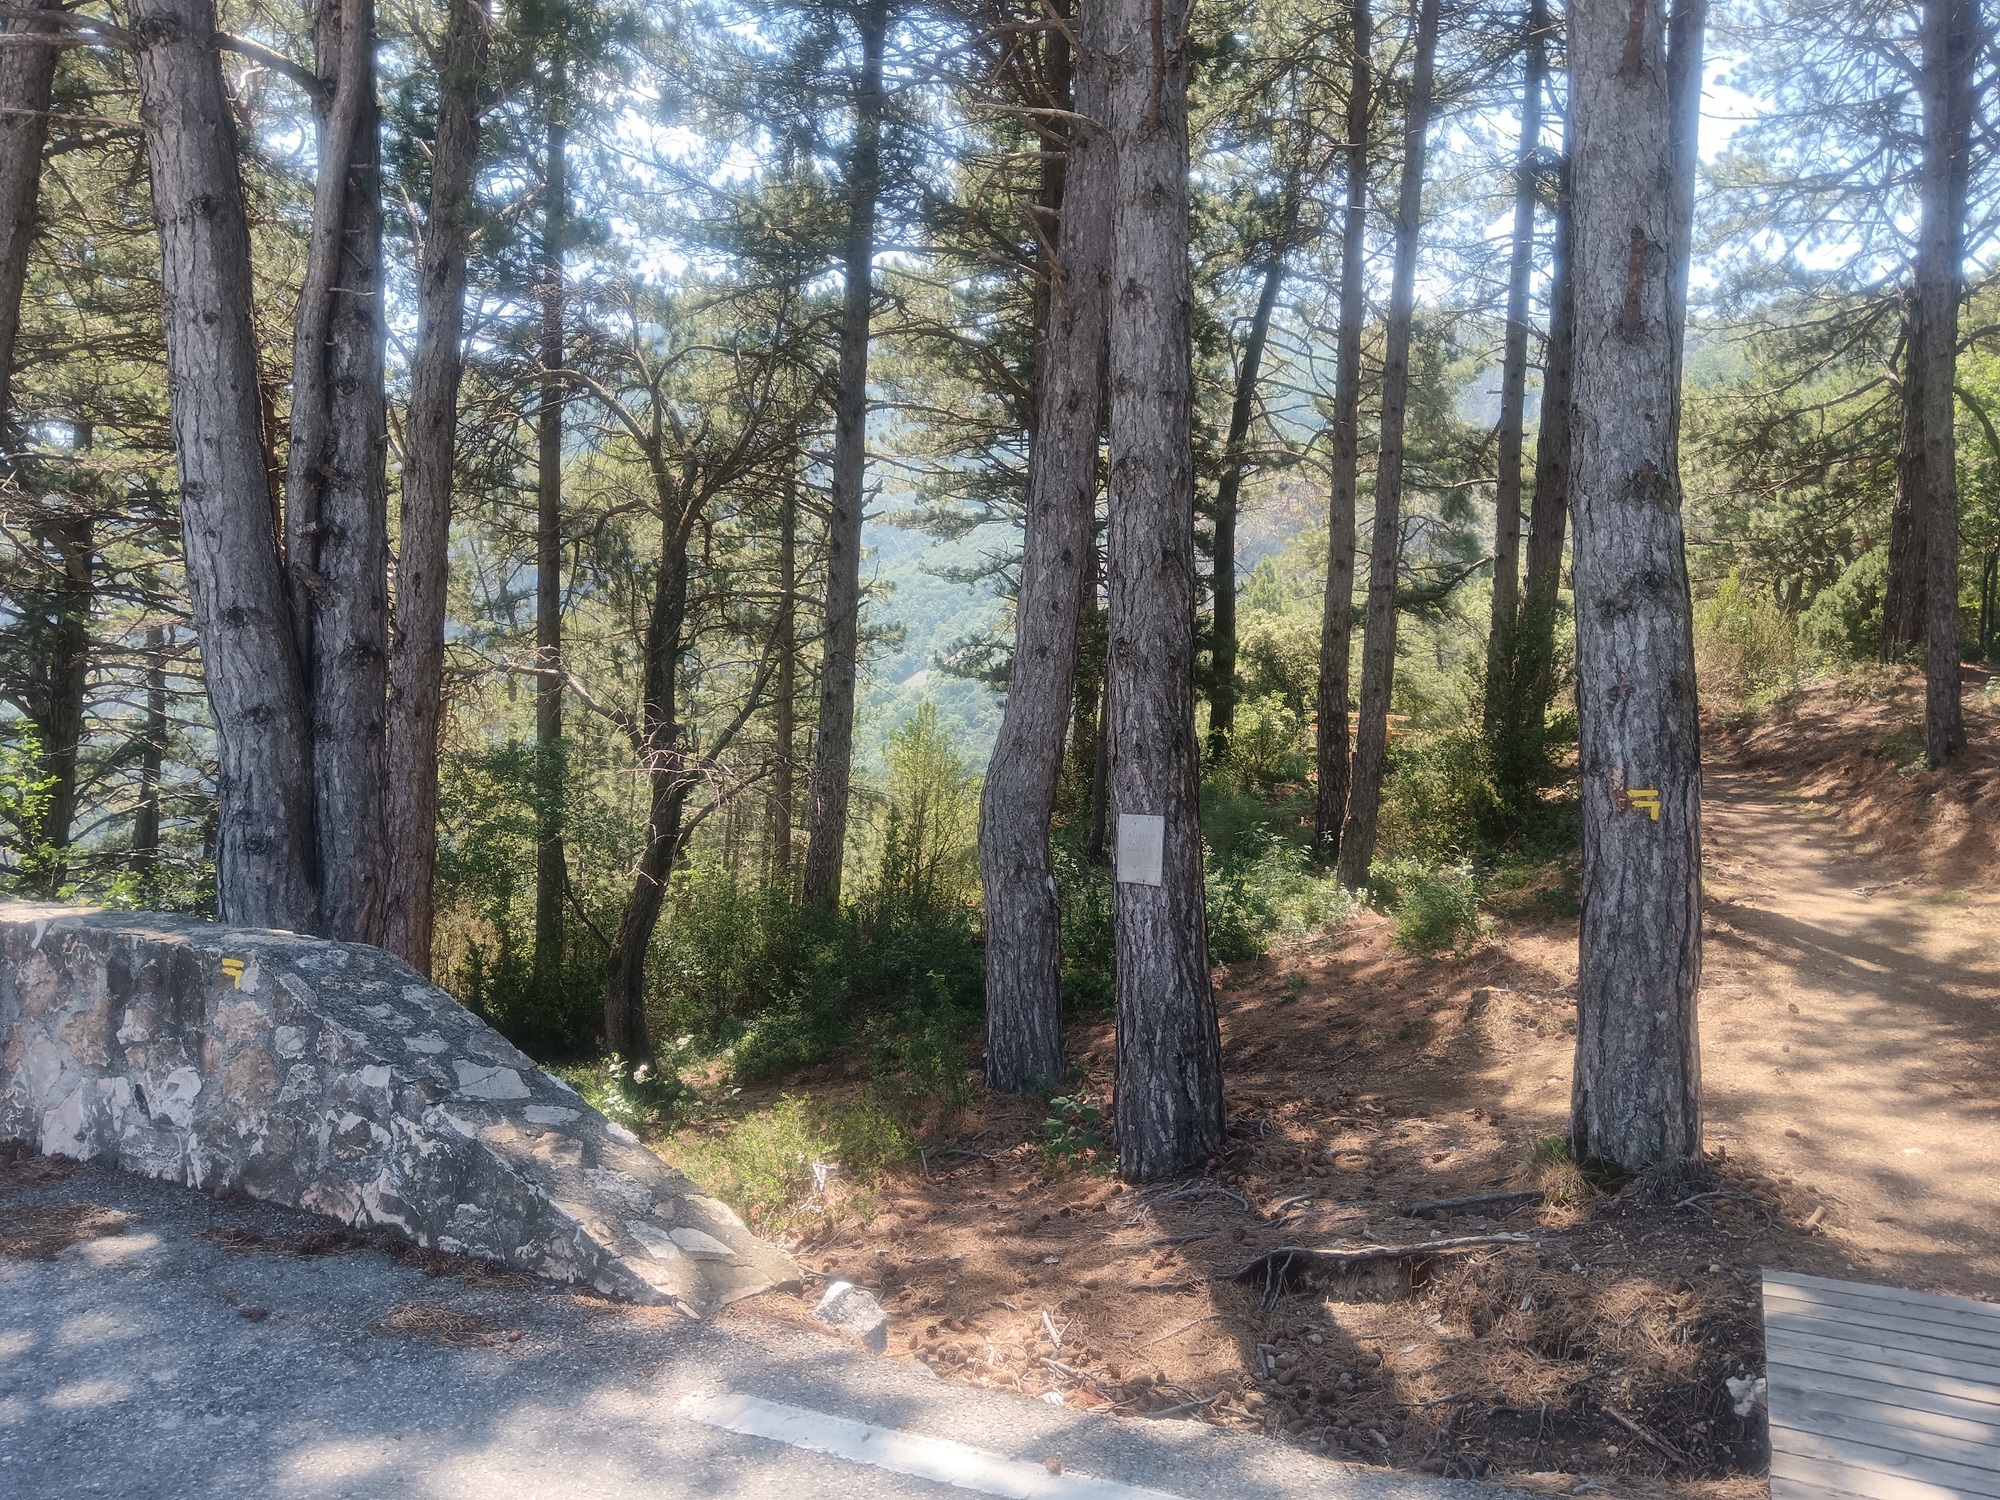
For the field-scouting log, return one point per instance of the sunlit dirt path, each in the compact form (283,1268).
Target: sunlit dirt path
(1851,1036)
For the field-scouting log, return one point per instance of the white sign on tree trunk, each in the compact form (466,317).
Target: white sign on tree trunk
(1142,845)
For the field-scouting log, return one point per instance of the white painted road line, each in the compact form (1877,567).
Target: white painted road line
(937,1459)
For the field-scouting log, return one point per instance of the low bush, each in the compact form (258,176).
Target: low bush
(1435,906)
(1745,647)
(1270,891)
(796,1161)
(641,1098)
(1438,796)
(1844,619)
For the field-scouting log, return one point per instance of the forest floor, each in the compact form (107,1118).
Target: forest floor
(1850,1037)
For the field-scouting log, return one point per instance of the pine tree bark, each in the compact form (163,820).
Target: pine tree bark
(1242,410)
(27,75)
(1099,814)
(833,765)
(64,692)
(785,731)
(416,671)
(551,867)
(1023,923)
(668,785)
(1636,1095)
(1904,592)
(1378,651)
(27,79)
(1169,1068)
(1514,375)
(336,484)
(145,855)
(1337,616)
(1552,461)
(1948,36)
(265,859)
(1052,172)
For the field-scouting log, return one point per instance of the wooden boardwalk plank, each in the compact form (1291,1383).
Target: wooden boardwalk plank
(1921,1305)
(1887,1428)
(1972,1343)
(1794,1476)
(1857,1457)
(1909,1387)
(1857,1344)
(1877,1393)
(1889,1342)
(1873,1401)
(1964,1319)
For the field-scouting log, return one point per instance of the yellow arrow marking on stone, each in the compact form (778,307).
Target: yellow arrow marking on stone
(233,967)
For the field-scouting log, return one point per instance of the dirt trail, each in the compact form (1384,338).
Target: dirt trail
(1851,1036)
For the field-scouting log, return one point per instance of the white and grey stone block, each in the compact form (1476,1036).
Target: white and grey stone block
(855,1313)
(335,1078)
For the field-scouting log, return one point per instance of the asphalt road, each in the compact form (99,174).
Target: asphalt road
(128,1367)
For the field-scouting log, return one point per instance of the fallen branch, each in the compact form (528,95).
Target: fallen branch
(1276,1266)
(1520,1198)
(1175,1411)
(1201,1188)
(1645,1435)
(1191,1323)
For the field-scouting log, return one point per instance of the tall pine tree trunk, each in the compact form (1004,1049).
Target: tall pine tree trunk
(833,766)
(336,484)
(1023,936)
(667,785)
(551,868)
(1378,651)
(145,855)
(784,730)
(1948,37)
(1169,1071)
(27,78)
(416,671)
(27,74)
(1337,616)
(265,860)
(1904,592)
(65,690)
(1052,171)
(1500,687)
(1535,653)
(1242,410)
(1636,1094)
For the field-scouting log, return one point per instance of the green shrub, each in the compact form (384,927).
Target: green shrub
(1436,906)
(640,1098)
(1438,796)
(1844,619)
(1088,943)
(1745,648)
(554,1015)
(26,857)
(1072,1136)
(1268,749)
(1277,652)
(770,1165)
(918,1056)
(929,858)
(1270,891)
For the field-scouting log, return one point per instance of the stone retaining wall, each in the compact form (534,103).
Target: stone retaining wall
(334,1078)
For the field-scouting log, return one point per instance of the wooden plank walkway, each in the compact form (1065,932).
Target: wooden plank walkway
(1880,1394)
